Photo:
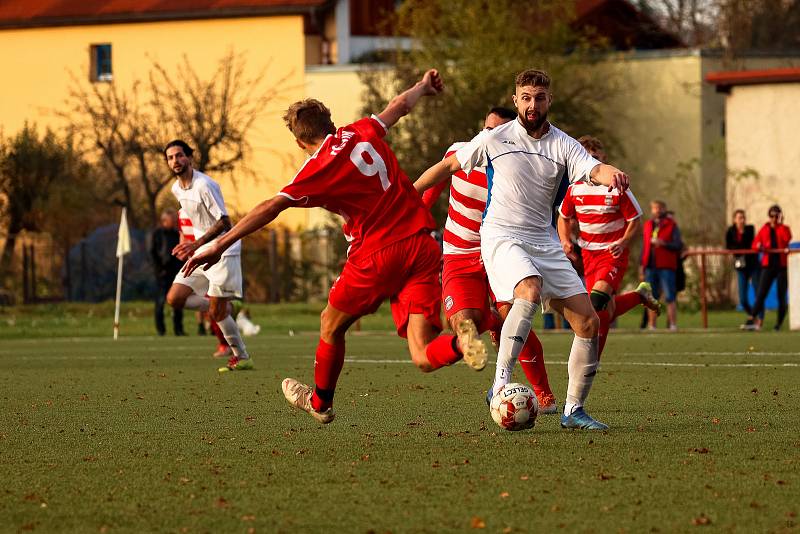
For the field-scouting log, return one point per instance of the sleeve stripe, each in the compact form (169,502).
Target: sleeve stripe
(379,121)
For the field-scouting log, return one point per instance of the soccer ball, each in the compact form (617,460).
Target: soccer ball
(514,407)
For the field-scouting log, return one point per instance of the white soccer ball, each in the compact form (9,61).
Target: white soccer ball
(514,407)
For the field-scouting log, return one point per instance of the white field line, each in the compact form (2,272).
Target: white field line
(358,361)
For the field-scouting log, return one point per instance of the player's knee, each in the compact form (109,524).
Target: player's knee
(218,313)
(587,326)
(599,299)
(420,360)
(175,300)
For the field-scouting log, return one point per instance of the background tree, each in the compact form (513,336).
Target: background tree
(125,129)
(34,173)
(479,52)
(733,26)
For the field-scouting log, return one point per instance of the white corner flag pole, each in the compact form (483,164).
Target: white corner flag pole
(123,247)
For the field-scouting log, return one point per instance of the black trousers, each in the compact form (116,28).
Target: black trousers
(768,275)
(164,283)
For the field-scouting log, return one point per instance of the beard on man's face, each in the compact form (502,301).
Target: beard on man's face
(534,124)
(178,169)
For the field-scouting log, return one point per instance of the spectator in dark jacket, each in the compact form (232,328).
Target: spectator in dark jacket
(740,236)
(166,266)
(773,235)
(660,259)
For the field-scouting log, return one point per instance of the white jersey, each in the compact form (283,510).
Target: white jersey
(523,176)
(202,202)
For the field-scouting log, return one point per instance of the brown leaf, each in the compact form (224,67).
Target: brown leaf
(477,522)
(715,421)
(221,503)
(604,476)
(504,495)
(700,450)
(701,521)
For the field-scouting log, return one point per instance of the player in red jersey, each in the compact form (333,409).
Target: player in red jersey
(465,286)
(353,172)
(607,221)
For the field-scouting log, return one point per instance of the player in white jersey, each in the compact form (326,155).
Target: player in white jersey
(201,200)
(525,161)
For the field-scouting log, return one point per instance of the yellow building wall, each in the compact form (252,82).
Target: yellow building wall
(37,63)
(761,127)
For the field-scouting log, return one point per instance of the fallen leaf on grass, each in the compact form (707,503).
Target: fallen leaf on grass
(715,421)
(700,450)
(504,495)
(701,521)
(524,477)
(221,503)
(477,522)
(604,476)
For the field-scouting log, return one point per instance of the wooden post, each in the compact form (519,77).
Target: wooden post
(703,299)
(25,268)
(33,274)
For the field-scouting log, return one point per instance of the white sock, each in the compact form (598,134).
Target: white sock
(233,337)
(196,302)
(513,335)
(582,367)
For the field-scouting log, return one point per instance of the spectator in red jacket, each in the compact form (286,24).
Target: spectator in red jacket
(660,257)
(773,235)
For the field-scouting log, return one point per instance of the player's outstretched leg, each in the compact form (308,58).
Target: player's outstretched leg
(431,350)
(317,401)
(583,360)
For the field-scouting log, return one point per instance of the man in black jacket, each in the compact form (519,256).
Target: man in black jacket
(166,266)
(740,236)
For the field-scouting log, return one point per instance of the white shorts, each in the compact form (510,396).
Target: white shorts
(509,260)
(223,279)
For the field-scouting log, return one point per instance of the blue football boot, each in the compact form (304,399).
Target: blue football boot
(580,419)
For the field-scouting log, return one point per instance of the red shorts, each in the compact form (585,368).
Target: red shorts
(465,285)
(601,265)
(406,272)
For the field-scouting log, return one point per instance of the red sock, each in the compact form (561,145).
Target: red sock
(626,302)
(531,359)
(218,332)
(602,334)
(442,351)
(327,366)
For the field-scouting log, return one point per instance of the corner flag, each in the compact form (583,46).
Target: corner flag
(123,247)
(124,236)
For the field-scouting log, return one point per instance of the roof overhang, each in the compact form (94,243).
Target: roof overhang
(161,15)
(724,80)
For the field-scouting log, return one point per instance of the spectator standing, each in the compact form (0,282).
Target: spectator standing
(660,258)
(740,236)
(166,266)
(773,235)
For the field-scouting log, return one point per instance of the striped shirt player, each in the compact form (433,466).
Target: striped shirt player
(464,282)
(185,226)
(603,217)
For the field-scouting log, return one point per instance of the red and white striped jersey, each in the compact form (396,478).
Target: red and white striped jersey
(465,212)
(602,214)
(185,226)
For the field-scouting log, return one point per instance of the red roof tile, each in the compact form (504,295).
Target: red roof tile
(726,79)
(26,13)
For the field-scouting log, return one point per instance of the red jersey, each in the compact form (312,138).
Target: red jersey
(602,214)
(468,192)
(354,173)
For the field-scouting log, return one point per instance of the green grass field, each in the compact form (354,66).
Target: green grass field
(143,435)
